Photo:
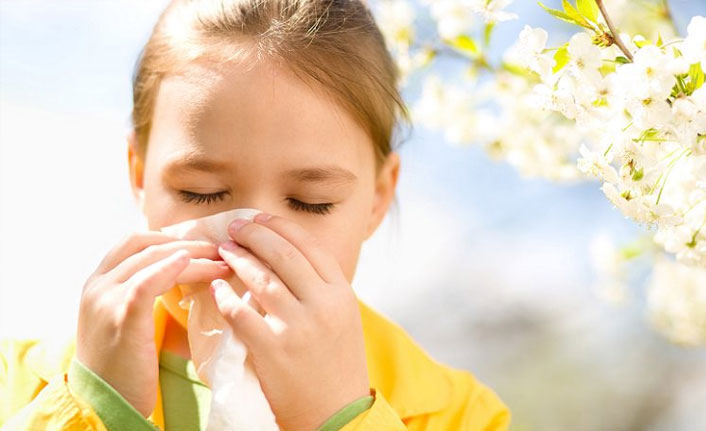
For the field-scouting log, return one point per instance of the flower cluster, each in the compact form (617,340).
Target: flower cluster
(454,19)
(630,111)
(498,114)
(646,103)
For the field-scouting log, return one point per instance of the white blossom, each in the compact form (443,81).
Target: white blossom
(585,58)
(528,51)
(694,46)
(453,17)
(650,140)
(396,19)
(492,10)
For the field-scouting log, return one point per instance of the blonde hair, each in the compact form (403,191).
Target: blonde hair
(335,43)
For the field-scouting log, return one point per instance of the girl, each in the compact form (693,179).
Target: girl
(287,106)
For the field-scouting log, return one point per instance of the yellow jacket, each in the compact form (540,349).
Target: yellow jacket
(412,391)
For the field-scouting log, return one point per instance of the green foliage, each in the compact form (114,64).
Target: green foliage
(575,14)
(641,42)
(520,71)
(561,57)
(584,14)
(465,44)
(631,251)
(588,9)
(487,31)
(557,13)
(607,67)
(696,78)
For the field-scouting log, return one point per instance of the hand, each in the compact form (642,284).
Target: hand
(115,336)
(309,351)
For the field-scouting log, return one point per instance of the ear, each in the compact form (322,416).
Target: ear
(385,186)
(136,166)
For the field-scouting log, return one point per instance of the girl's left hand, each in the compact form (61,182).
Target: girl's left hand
(309,351)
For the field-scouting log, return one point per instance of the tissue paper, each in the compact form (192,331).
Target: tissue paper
(221,358)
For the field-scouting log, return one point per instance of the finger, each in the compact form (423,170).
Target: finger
(321,259)
(282,256)
(264,285)
(129,245)
(154,253)
(247,323)
(155,279)
(204,271)
(251,301)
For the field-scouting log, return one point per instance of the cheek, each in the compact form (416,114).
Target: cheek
(159,208)
(346,238)
(344,244)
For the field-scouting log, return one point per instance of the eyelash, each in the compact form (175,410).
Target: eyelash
(187,197)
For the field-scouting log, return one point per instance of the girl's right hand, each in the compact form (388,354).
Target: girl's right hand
(115,336)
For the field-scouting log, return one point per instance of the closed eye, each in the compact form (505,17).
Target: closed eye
(297,205)
(187,197)
(324,208)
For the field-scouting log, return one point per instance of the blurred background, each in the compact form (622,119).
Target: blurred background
(487,270)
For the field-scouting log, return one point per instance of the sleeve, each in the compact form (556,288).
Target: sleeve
(380,416)
(113,410)
(347,413)
(30,403)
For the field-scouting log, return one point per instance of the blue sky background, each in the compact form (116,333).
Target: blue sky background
(482,266)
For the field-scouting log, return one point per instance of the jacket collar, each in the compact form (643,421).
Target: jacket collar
(409,379)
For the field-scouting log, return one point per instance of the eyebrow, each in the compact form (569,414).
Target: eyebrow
(318,174)
(195,163)
(322,174)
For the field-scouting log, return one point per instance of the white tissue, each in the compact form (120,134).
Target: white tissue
(237,400)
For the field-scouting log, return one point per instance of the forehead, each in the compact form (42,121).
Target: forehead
(255,113)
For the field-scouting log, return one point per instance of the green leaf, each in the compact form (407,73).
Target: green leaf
(559,14)
(487,32)
(659,40)
(640,41)
(573,13)
(696,78)
(607,68)
(588,9)
(520,71)
(561,57)
(631,251)
(622,60)
(465,44)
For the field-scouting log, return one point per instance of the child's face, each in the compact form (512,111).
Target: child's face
(258,128)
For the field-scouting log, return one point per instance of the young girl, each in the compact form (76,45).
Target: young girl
(287,106)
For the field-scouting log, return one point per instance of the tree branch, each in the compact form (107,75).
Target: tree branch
(613,31)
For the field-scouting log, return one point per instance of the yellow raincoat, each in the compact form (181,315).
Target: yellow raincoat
(412,391)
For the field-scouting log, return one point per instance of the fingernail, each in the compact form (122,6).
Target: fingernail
(237,224)
(262,217)
(216,286)
(230,245)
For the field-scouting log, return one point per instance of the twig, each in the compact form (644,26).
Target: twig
(616,37)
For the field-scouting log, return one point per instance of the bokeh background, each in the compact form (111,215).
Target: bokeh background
(487,270)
